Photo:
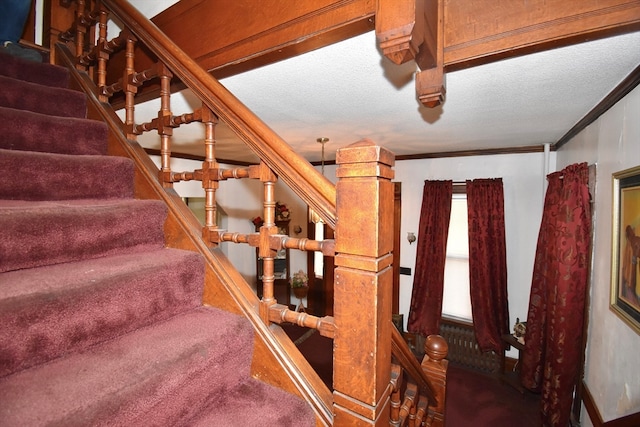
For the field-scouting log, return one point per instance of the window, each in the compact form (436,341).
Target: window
(456,300)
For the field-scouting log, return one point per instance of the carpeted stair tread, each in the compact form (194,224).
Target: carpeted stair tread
(46,233)
(158,375)
(28,96)
(29,131)
(30,71)
(32,175)
(255,403)
(49,311)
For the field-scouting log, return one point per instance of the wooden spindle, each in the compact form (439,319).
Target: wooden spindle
(224,174)
(410,396)
(210,182)
(421,410)
(130,89)
(80,28)
(265,252)
(103,54)
(165,129)
(396,382)
(324,325)
(90,21)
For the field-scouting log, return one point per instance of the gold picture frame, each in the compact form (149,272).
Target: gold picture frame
(625,261)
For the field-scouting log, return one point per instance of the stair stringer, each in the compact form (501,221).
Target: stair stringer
(276,360)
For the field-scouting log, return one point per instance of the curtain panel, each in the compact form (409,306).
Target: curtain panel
(488,263)
(553,341)
(431,253)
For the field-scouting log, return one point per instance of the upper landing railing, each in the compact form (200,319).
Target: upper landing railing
(366,388)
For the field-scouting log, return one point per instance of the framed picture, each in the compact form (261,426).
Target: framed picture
(625,262)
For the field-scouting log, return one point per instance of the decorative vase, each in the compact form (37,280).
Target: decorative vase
(300,292)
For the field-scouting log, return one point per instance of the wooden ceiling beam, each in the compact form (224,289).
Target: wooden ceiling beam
(484,31)
(228,38)
(239,35)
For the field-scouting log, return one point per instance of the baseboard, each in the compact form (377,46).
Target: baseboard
(631,420)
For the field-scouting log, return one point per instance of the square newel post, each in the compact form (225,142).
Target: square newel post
(363,285)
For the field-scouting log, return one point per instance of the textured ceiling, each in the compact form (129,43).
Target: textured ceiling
(349,91)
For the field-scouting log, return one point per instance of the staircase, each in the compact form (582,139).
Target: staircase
(101,323)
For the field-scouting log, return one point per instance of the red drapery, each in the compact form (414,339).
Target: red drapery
(553,341)
(431,252)
(488,262)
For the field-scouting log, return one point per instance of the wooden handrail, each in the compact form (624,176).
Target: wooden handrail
(408,361)
(316,190)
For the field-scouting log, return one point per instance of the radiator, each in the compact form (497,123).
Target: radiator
(464,350)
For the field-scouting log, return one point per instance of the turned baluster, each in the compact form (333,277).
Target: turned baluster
(92,23)
(103,54)
(412,421)
(210,182)
(165,128)
(130,89)
(396,381)
(408,403)
(421,411)
(81,29)
(265,252)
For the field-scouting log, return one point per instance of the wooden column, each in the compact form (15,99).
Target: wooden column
(363,285)
(58,16)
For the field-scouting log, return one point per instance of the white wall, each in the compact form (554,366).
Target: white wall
(523,180)
(613,348)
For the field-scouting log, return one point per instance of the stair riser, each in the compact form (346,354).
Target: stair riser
(41,99)
(45,74)
(28,131)
(62,232)
(41,176)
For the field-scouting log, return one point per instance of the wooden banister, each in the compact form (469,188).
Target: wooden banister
(408,361)
(316,190)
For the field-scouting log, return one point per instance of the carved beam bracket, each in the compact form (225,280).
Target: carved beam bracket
(414,30)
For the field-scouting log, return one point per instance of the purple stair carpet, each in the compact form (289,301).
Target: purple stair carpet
(101,324)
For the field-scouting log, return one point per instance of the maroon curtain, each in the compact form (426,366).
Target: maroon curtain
(553,341)
(488,263)
(431,253)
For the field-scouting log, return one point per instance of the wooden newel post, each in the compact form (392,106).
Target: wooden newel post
(58,17)
(435,366)
(363,285)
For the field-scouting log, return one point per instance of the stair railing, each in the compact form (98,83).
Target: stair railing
(363,385)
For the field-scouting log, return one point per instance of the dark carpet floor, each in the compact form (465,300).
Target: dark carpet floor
(478,400)
(473,399)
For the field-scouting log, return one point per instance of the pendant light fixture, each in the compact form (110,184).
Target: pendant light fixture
(314,217)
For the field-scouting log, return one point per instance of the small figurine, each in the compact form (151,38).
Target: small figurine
(519,330)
